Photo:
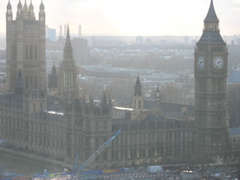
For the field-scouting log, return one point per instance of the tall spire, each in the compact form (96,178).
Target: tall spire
(211,16)
(68,47)
(138,88)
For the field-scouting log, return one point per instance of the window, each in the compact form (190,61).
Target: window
(35,52)
(26,52)
(139,104)
(31,52)
(35,82)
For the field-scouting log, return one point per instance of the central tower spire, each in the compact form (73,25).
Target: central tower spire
(68,52)
(68,87)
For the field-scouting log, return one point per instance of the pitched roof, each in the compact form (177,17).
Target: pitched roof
(211,37)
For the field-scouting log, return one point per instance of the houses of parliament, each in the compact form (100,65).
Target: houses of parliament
(47,114)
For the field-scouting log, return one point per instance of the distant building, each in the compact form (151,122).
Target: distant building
(234,138)
(139,40)
(148,41)
(51,34)
(60,31)
(238,42)
(233,85)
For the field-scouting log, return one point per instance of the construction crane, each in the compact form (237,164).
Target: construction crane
(97,152)
(74,167)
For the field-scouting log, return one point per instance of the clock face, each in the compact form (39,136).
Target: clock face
(201,62)
(218,62)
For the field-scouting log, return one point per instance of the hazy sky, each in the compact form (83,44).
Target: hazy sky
(134,17)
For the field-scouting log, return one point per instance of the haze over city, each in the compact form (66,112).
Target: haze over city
(131,18)
(119,89)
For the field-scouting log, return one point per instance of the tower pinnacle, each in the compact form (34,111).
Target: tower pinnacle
(19,5)
(9,6)
(211,16)
(68,47)
(42,7)
(138,88)
(25,7)
(31,6)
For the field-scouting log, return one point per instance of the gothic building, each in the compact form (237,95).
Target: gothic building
(162,134)
(210,70)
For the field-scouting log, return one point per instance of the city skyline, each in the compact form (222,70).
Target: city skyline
(129,18)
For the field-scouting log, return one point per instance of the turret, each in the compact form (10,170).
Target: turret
(138,88)
(25,7)
(31,11)
(19,10)
(25,10)
(31,8)
(9,12)
(19,7)
(42,12)
(137,113)
(138,98)
(42,7)
(9,6)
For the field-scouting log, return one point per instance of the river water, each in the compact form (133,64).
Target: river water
(21,166)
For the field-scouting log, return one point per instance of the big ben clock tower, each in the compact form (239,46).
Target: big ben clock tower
(210,71)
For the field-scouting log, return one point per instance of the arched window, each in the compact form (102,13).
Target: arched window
(31,81)
(35,82)
(26,52)
(31,52)
(15,52)
(35,52)
(26,81)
